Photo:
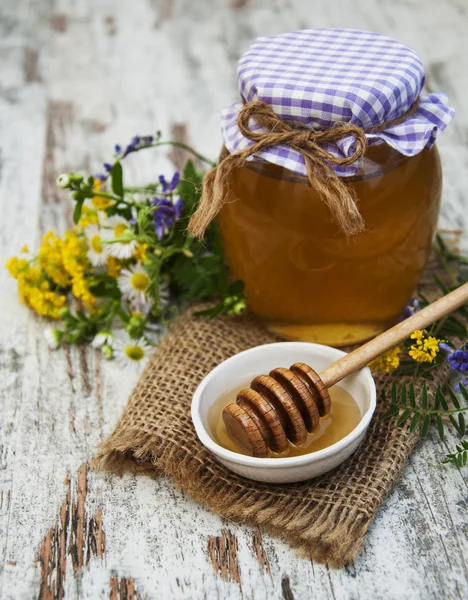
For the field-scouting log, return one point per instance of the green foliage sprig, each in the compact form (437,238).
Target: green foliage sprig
(425,408)
(459,458)
(444,405)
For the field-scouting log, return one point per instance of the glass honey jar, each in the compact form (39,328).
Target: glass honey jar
(305,277)
(329,184)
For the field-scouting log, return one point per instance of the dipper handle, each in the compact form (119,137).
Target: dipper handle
(392,337)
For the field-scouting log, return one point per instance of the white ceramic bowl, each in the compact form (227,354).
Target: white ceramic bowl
(260,360)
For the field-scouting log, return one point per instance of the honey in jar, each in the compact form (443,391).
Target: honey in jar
(343,417)
(329,187)
(304,276)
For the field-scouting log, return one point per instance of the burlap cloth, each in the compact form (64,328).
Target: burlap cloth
(325,518)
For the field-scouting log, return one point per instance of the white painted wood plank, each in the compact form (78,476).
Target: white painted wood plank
(98,72)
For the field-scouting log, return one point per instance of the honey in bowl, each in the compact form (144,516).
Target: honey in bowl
(343,417)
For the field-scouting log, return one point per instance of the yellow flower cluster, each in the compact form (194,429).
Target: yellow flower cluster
(425,347)
(50,259)
(75,261)
(141,252)
(34,288)
(88,217)
(386,362)
(61,264)
(98,201)
(113,267)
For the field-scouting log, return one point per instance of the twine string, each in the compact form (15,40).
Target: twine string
(311,144)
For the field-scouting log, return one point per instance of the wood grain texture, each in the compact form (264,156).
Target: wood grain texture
(77,77)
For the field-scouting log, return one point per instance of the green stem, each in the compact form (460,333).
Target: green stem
(105,195)
(185,147)
(442,252)
(152,187)
(425,411)
(438,325)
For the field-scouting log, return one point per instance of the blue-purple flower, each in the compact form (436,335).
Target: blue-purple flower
(413,307)
(168,187)
(463,382)
(132,146)
(445,347)
(136,143)
(458,360)
(166,213)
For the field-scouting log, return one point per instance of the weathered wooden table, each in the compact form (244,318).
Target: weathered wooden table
(76,76)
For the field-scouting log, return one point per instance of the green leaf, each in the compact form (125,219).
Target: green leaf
(441,397)
(441,284)
(117,179)
(425,426)
(461,423)
(105,287)
(437,402)
(464,391)
(424,396)
(412,396)
(189,189)
(237,287)
(78,210)
(454,423)
(440,427)
(414,421)
(403,395)
(394,393)
(391,412)
(405,415)
(453,397)
(211,312)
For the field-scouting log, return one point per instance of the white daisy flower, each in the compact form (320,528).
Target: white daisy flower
(115,227)
(53,337)
(98,252)
(134,283)
(131,354)
(103,338)
(139,309)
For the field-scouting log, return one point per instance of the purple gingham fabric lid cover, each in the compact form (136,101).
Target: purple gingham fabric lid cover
(321,76)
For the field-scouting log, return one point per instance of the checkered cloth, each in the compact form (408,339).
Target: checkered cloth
(321,76)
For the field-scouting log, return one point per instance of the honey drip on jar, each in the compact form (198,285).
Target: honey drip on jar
(302,275)
(343,417)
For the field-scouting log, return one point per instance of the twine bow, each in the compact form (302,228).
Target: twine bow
(318,162)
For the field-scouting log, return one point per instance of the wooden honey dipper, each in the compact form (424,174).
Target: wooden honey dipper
(288,403)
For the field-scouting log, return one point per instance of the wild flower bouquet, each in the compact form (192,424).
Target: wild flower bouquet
(109,279)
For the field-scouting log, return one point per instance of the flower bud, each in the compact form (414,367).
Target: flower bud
(63,180)
(107,352)
(53,337)
(135,327)
(75,178)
